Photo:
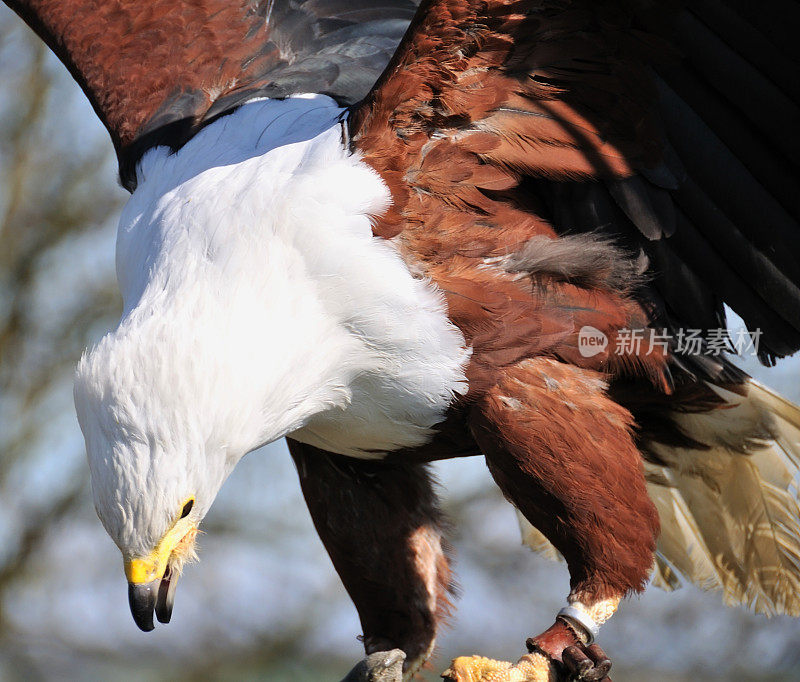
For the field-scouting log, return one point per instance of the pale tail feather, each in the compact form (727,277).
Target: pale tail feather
(730,515)
(532,538)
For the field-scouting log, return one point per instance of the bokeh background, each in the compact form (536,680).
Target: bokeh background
(264,603)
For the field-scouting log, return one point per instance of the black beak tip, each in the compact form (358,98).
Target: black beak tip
(142,600)
(146,627)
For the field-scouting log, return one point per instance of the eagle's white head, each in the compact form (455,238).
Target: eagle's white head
(226,342)
(172,399)
(257,304)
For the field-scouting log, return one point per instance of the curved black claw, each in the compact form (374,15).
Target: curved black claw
(586,664)
(382,666)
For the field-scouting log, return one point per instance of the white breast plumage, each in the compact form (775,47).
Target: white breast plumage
(255,242)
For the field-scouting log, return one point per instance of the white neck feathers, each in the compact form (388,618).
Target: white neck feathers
(257,303)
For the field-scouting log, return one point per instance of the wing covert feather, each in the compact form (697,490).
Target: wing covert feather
(655,123)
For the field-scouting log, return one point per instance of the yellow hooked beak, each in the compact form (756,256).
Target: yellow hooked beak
(152,579)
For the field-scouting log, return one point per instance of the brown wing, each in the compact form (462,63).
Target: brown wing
(156,70)
(500,125)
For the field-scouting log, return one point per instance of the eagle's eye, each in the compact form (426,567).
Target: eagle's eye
(187,508)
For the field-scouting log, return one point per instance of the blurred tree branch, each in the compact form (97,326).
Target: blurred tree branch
(43,205)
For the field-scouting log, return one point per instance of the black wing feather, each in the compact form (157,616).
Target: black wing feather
(718,218)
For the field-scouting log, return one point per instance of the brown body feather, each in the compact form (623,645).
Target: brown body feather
(563,453)
(463,113)
(381,525)
(482,104)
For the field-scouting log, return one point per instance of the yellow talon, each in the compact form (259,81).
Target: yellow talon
(530,668)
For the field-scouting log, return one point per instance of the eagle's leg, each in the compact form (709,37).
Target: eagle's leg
(563,453)
(381,525)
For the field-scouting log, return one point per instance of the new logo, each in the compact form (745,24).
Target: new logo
(591,341)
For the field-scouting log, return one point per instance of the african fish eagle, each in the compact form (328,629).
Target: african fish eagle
(394,232)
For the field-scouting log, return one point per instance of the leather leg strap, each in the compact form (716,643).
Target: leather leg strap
(553,641)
